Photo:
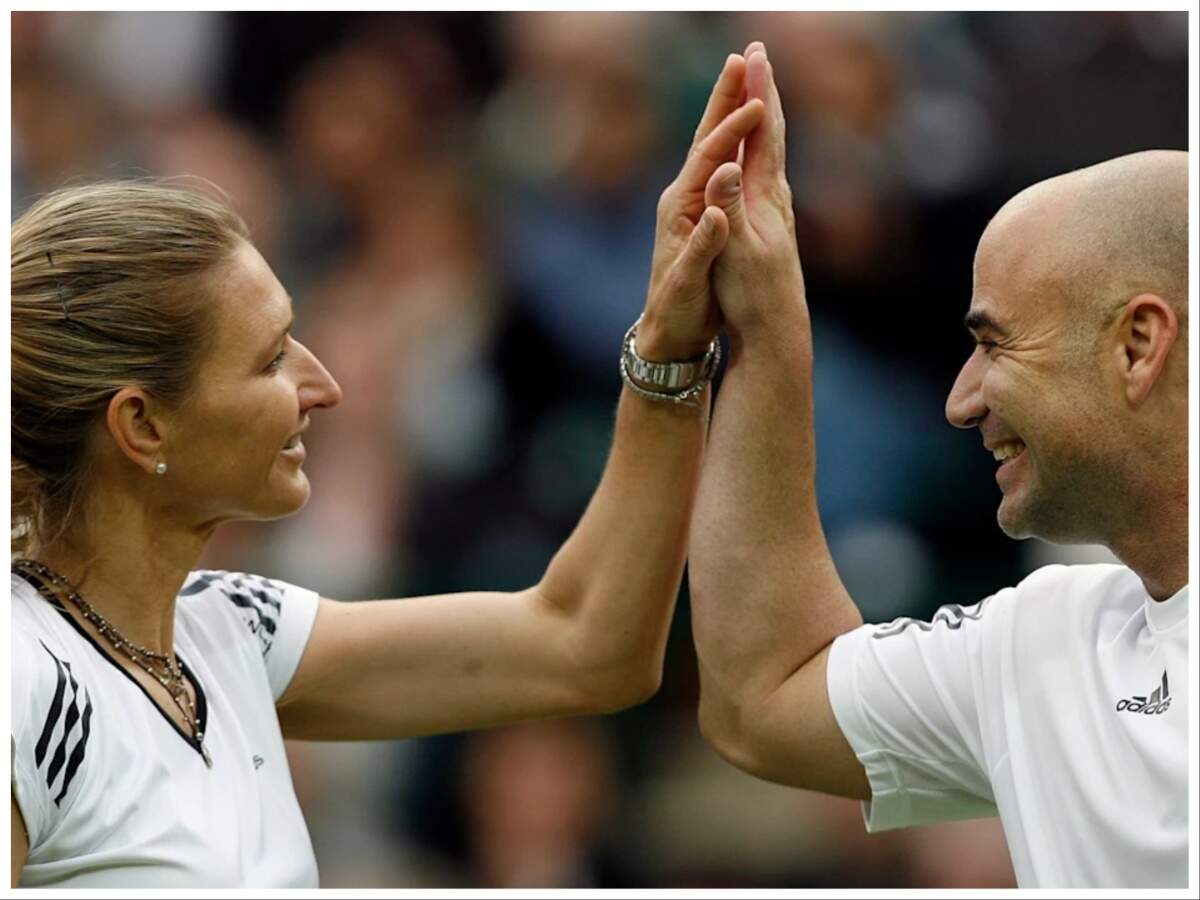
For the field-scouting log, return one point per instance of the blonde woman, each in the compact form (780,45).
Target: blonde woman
(157,393)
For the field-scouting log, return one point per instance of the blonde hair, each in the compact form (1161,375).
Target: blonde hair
(108,291)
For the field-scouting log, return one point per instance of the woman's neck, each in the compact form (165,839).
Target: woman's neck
(130,572)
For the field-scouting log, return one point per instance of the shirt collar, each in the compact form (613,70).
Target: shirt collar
(1164,614)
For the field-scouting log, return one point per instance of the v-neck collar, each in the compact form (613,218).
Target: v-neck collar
(201,700)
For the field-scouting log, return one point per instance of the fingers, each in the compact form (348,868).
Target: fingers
(704,245)
(765,151)
(721,145)
(724,191)
(726,96)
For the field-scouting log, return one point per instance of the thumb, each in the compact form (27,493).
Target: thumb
(724,191)
(704,244)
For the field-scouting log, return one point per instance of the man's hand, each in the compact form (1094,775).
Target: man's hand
(758,275)
(766,598)
(682,316)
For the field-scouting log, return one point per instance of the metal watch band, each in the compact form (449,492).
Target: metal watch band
(671,376)
(678,382)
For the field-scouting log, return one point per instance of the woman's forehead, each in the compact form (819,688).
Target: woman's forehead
(250,292)
(253,308)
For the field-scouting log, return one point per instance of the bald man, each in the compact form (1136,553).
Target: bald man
(1059,704)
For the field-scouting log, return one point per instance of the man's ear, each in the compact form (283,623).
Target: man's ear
(1147,330)
(134,427)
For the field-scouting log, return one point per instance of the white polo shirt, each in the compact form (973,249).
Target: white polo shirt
(1060,704)
(114,794)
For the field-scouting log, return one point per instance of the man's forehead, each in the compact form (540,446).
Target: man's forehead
(1020,258)
(1012,241)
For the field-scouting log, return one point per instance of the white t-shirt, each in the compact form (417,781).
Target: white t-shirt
(114,794)
(1060,704)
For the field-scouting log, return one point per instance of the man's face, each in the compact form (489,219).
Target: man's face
(1034,384)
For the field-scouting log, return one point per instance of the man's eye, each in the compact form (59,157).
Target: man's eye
(273,365)
(988,346)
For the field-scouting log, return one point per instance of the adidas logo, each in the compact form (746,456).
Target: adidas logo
(1154,705)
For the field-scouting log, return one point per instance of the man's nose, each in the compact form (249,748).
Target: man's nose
(965,407)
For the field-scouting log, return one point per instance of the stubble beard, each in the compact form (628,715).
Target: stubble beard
(1069,501)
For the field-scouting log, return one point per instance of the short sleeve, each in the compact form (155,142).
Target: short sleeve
(278,615)
(46,700)
(912,698)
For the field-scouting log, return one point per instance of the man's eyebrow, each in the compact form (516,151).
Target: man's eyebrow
(977,320)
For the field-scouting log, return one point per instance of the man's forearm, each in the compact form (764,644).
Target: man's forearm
(618,575)
(765,595)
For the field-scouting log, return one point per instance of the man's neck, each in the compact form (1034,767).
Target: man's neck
(1157,548)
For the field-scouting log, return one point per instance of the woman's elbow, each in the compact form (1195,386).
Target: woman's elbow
(617,687)
(607,667)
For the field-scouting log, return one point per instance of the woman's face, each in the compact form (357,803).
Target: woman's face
(234,448)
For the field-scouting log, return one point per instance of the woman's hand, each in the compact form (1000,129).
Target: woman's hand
(682,316)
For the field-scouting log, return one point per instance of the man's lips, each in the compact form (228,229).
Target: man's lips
(1002,451)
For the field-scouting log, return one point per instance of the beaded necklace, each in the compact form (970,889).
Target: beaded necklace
(162,667)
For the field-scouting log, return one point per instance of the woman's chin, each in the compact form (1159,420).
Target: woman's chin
(289,499)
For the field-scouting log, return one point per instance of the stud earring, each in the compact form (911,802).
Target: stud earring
(160,468)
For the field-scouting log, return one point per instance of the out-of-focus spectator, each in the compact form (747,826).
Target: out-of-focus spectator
(204,143)
(573,134)
(1064,77)
(971,854)
(150,63)
(537,805)
(61,124)
(538,798)
(338,787)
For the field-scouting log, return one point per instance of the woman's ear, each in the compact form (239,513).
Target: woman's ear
(135,428)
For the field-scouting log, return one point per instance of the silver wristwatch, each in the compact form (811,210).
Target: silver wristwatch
(678,382)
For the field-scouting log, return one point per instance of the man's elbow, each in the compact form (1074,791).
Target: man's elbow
(735,731)
(723,729)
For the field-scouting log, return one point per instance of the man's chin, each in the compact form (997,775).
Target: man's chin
(1054,523)
(1012,520)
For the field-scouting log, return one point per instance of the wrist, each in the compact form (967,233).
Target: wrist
(655,343)
(761,307)
(673,380)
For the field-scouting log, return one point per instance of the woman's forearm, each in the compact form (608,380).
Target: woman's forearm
(617,577)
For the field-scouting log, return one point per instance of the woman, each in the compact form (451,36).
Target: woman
(157,393)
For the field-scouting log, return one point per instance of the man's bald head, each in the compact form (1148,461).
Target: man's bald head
(1079,311)
(1119,229)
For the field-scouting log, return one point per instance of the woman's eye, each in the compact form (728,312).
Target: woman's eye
(274,365)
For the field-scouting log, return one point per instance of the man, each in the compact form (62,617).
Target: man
(1059,704)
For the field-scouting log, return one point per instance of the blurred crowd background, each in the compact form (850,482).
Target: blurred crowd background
(462,206)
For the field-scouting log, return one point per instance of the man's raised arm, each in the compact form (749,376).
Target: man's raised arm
(766,599)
